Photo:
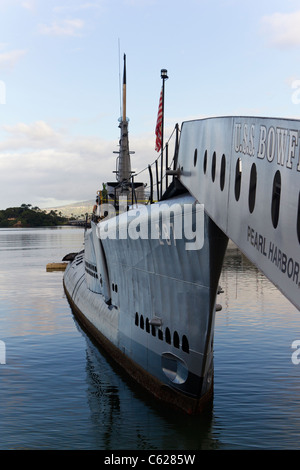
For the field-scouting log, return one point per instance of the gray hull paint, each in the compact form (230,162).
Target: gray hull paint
(151,303)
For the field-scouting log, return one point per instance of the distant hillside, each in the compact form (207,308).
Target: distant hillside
(28,216)
(77,209)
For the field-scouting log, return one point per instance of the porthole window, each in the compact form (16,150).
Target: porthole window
(213,167)
(136,320)
(185,344)
(147,325)
(276,191)
(153,330)
(176,339)
(142,322)
(168,336)
(298,218)
(205,162)
(160,335)
(222,172)
(252,188)
(195,157)
(238,179)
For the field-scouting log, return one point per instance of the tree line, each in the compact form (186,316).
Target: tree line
(28,216)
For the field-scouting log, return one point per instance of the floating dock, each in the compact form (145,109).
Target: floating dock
(56,267)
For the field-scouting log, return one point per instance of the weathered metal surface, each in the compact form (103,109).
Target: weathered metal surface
(246,172)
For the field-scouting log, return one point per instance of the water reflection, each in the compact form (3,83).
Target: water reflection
(29,298)
(61,391)
(256,384)
(127,417)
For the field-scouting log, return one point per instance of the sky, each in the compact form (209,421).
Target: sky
(60,69)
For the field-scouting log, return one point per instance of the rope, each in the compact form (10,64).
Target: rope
(158,158)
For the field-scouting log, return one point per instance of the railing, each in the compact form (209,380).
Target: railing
(158,173)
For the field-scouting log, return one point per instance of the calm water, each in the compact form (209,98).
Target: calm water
(59,391)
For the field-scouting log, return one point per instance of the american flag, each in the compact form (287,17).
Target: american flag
(159,125)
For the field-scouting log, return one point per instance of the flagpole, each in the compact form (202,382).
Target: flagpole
(164,76)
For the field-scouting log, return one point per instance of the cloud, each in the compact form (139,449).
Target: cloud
(282,29)
(38,130)
(81,6)
(9,59)
(62,28)
(39,163)
(28,4)
(30,136)
(140,3)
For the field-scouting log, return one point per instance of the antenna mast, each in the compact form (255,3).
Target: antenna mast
(119,75)
(124,89)
(124,165)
